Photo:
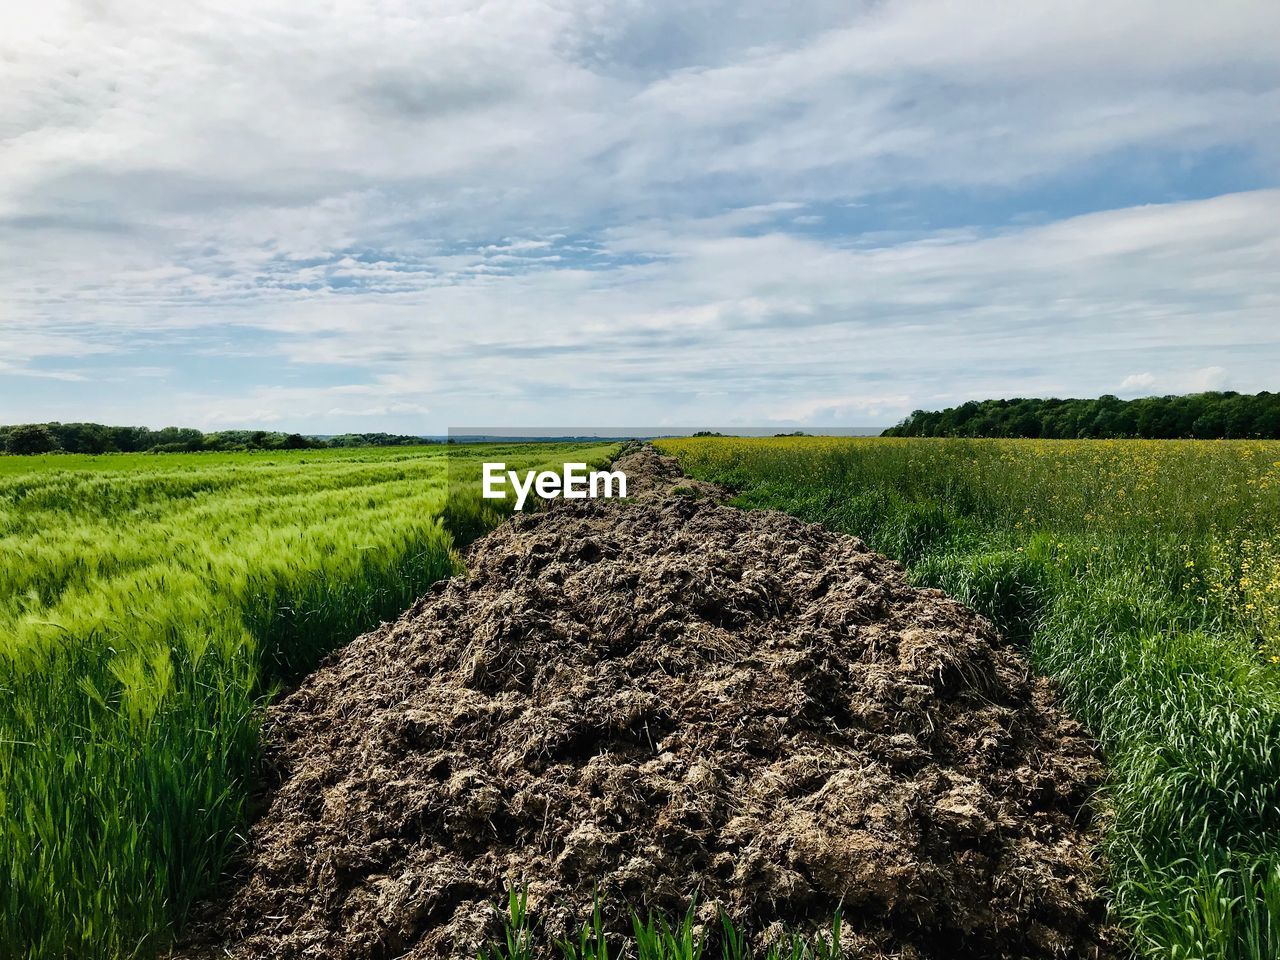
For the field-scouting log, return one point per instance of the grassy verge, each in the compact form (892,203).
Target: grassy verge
(149,607)
(654,938)
(1145,578)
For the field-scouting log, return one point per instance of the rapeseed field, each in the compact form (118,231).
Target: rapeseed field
(1144,577)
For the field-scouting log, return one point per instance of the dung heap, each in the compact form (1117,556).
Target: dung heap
(661,696)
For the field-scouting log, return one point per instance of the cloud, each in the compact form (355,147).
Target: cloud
(1208,378)
(478,112)
(1180,381)
(748,326)
(870,408)
(1137,382)
(728,210)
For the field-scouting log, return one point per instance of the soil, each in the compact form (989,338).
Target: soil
(666,696)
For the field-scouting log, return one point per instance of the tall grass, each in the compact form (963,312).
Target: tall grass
(653,938)
(149,607)
(1144,576)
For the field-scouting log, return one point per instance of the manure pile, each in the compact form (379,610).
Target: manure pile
(662,696)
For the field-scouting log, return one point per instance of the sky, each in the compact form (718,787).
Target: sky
(389,215)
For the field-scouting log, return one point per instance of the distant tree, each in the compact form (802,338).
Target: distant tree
(376,440)
(1266,421)
(1239,421)
(98,438)
(1203,415)
(133,439)
(31,438)
(1026,425)
(1210,425)
(90,438)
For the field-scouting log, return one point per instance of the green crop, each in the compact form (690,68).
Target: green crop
(150,605)
(653,938)
(1144,577)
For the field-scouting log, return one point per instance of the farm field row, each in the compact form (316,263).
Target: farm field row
(149,607)
(1144,577)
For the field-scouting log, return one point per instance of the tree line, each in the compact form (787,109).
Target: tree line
(1218,415)
(32,438)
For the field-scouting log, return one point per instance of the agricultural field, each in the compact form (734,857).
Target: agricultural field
(150,606)
(153,605)
(1142,576)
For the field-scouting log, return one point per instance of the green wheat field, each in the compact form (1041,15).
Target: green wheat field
(149,607)
(152,604)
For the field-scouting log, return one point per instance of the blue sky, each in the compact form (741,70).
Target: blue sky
(388,215)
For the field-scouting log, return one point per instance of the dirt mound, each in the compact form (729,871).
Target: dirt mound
(668,695)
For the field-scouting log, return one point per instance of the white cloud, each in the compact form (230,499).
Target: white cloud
(763,326)
(470,109)
(1137,382)
(1196,380)
(534,208)
(857,409)
(1207,378)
